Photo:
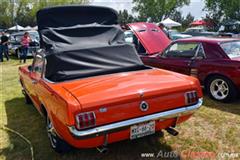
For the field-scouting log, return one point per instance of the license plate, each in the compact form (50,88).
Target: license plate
(141,130)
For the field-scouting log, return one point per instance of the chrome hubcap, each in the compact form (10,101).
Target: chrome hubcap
(51,133)
(219,89)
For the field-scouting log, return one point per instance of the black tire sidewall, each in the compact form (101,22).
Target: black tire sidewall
(60,146)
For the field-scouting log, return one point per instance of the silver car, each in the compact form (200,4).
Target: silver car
(15,43)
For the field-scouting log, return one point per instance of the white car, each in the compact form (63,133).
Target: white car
(15,43)
(128,36)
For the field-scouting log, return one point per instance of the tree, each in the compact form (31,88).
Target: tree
(5,14)
(189,19)
(177,16)
(212,24)
(156,10)
(124,17)
(23,12)
(185,21)
(219,9)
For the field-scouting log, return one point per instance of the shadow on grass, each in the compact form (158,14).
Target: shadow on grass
(26,120)
(232,107)
(13,57)
(17,60)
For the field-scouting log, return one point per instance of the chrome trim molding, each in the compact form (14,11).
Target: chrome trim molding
(123,124)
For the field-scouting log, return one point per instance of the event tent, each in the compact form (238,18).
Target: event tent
(16,28)
(198,23)
(35,28)
(28,28)
(170,23)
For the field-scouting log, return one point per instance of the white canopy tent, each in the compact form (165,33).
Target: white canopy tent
(28,28)
(170,23)
(35,28)
(16,28)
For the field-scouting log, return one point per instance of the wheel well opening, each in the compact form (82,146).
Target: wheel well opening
(212,75)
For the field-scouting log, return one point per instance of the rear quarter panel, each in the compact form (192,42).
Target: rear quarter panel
(58,102)
(217,62)
(222,67)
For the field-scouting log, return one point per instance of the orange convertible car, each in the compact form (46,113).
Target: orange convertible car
(93,89)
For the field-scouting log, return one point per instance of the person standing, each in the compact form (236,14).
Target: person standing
(4,47)
(164,29)
(25,41)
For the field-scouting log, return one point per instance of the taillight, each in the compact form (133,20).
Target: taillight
(191,97)
(85,120)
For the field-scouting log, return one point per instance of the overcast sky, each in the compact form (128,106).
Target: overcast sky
(195,7)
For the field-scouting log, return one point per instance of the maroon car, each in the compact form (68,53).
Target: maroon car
(214,61)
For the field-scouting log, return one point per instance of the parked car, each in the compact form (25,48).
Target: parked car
(93,89)
(230,28)
(15,43)
(215,62)
(174,35)
(128,36)
(211,60)
(199,31)
(146,38)
(1,30)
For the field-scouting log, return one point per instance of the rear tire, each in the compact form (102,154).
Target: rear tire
(221,89)
(58,144)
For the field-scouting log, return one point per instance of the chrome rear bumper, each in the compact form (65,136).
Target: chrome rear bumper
(127,123)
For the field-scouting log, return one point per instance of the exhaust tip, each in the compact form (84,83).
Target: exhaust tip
(103,149)
(172,131)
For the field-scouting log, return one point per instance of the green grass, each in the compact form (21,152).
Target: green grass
(214,128)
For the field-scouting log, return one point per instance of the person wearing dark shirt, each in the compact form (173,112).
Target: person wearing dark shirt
(4,47)
(161,26)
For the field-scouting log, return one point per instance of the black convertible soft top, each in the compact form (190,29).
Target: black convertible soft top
(84,41)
